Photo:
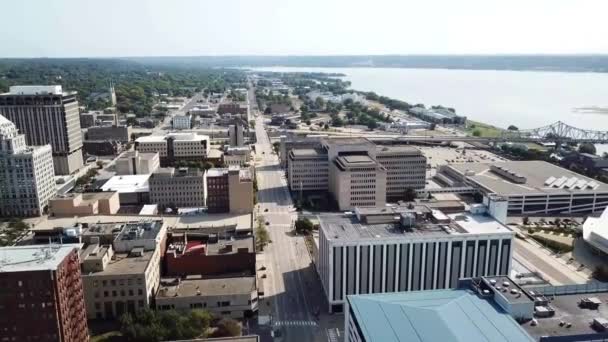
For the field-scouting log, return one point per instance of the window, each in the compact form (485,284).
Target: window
(140,292)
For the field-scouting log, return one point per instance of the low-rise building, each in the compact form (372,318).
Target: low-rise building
(438,115)
(231,108)
(229,297)
(182,121)
(203,110)
(84,204)
(102,147)
(230,190)
(136,163)
(183,187)
(237,156)
(174,147)
(97,118)
(132,189)
(113,133)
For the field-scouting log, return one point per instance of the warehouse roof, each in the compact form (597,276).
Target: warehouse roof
(127,184)
(438,315)
(34,258)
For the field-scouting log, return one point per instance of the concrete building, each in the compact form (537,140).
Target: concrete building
(354,170)
(121,267)
(229,190)
(113,133)
(227,297)
(132,189)
(237,156)
(407,250)
(530,187)
(42,294)
(47,115)
(174,147)
(97,118)
(203,110)
(235,133)
(438,115)
(85,204)
(182,121)
(231,108)
(135,163)
(102,147)
(26,174)
(181,187)
(595,233)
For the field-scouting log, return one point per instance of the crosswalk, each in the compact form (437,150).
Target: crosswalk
(295,323)
(332,335)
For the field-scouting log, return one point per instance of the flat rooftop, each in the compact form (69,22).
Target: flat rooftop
(434,315)
(34,257)
(143,230)
(541,178)
(127,184)
(176,136)
(124,263)
(567,310)
(397,149)
(346,141)
(192,286)
(349,228)
(308,152)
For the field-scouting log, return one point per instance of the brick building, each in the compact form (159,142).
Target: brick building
(41,297)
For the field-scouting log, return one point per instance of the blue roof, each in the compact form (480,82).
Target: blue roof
(429,316)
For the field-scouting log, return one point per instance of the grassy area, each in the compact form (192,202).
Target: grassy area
(110,336)
(479,129)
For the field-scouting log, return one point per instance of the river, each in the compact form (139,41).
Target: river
(526,99)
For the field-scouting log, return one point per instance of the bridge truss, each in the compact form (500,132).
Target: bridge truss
(556,132)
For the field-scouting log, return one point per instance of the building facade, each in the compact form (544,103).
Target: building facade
(135,163)
(42,294)
(26,174)
(230,190)
(235,133)
(405,169)
(47,115)
(357,181)
(116,133)
(178,187)
(174,147)
(182,121)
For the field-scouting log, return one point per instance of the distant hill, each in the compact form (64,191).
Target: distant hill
(572,63)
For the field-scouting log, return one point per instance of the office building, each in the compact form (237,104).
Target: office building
(47,115)
(235,133)
(407,249)
(90,119)
(203,110)
(183,187)
(85,204)
(42,294)
(236,156)
(231,108)
(354,170)
(235,297)
(174,147)
(438,115)
(26,174)
(132,189)
(113,133)
(182,121)
(136,163)
(229,190)
(102,147)
(530,187)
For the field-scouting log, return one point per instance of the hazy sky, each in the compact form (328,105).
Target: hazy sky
(74,28)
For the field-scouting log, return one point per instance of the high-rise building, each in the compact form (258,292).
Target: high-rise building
(26,174)
(42,295)
(235,132)
(47,115)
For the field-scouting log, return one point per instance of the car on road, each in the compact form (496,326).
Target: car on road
(267,223)
(266,210)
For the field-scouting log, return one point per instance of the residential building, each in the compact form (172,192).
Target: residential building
(42,294)
(235,297)
(174,147)
(136,163)
(47,115)
(235,133)
(407,249)
(120,133)
(132,189)
(236,156)
(182,121)
(230,190)
(530,187)
(85,204)
(26,174)
(183,187)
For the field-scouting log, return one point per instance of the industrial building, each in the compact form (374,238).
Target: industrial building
(47,115)
(42,294)
(26,174)
(389,249)
(530,187)
(174,147)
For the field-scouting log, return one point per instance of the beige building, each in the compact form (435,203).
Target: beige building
(174,147)
(181,187)
(237,156)
(229,190)
(26,174)
(47,115)
(308,170)
(228,297)
(405,168)
(136,163)
(92,203)
(357,181)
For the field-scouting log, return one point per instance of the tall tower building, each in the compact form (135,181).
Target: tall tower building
(26,174)
(42,295)
(47,115)
(235,132)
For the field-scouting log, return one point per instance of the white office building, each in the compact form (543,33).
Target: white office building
(387,249)
(174,147)
(182,121)
(26,174)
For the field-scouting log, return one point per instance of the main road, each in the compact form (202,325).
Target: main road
(292,285)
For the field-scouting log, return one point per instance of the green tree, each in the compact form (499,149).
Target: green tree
(512,128)
(409,195)
(304,225)
(207,165)
(262,238)
(587,148)
(227,327)
(476,133)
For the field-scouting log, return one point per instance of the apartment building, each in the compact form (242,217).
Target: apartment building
(47,115)
(230,190)
(330,162)
(26,174)
(136,163)
(42,294)
(174,147)
(391,249)
(181,187)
